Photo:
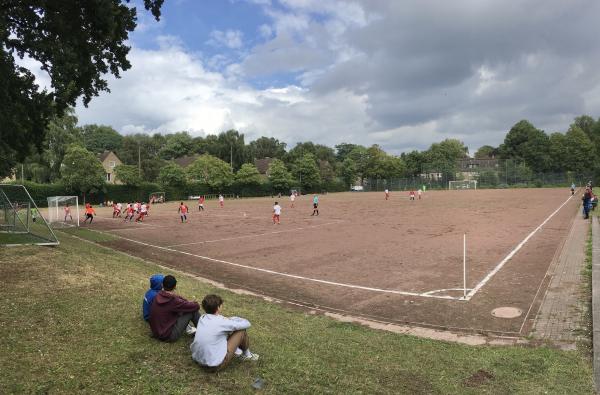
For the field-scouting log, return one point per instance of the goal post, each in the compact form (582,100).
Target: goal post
(157,197)
(63,211)
(21,222)
(464,184)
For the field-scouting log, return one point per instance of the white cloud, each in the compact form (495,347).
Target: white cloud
(229,38)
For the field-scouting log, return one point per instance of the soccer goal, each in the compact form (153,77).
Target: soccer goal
(63,211)
(157,197)
(465,184)
(20,219)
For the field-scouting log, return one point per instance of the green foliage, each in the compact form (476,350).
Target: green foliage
(266,147)
(415,161)
(140,146)
(211,171)
(77,43)
(177,145)
(527,144)
(486,152)
(128,175)
(81,171)
(443,157)
(60,134)
(172,175)
(348,172)
(279,176)
(580,153)
(306,172)
(248,175)
(100,138)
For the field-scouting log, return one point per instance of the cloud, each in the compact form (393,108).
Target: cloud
(229,38)
(399,74)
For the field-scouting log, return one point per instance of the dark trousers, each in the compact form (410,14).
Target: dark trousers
(182,323)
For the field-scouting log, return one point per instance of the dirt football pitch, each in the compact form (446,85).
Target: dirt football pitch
(397,261)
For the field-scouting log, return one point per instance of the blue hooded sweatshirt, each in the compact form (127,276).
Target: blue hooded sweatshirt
(156,281)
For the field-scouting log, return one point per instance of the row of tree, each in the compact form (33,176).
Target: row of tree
(226,159)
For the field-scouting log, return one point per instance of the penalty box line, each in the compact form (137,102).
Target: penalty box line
(254,235)
(294,276)
(499,266)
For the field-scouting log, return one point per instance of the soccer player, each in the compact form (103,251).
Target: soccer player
(420,192)
(143,212)
(276,213)
(116,211)
(573,189)
(293,198)
(387,194)
(119,209)
(315,205)
(201,203)
(183,209)
(89,214)
(221,201)
(412,195)
(67,210)
(129,212)
(136,207)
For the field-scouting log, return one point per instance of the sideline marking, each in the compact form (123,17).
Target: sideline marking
(255,235)
(499,266)
(392,291)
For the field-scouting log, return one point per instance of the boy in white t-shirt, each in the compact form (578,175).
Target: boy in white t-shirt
(217,337)
(276,213)
(293,198)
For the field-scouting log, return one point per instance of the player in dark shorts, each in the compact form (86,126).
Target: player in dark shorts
(315,205)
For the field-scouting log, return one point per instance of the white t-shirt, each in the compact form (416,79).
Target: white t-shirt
(119,206)
(220,198)
(386,191)
(292,197)
(419,192)
(277,209)
(210,342)
(144,209)
(135,206)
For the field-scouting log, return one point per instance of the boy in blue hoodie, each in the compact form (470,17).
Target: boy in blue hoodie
(156,281)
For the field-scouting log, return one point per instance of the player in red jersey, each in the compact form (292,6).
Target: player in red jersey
(183,210)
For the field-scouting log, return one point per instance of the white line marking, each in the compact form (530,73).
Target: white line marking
(293,275)
(254,235)
(511,254)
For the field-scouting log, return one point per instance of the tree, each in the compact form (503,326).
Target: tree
(151,169)
(76,42)
(248,175)
(443,157)
(558,152)
(100,138)
(348,172)
(486,152)
(343,150)
(414,161)
(586,124)
(145,146)
(360,157)
(306,172)
(128,175)
(211,171)
(177,145)
(60,134)
(279,176)
(232,148)
(528,144)
(266,147)
(579,151)
(172,175)
(81,170)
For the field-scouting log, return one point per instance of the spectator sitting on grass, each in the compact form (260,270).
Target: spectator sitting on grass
(217,337)
(156,281)
(170,314)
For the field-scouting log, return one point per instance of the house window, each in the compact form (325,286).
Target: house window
(112,163)
(108,175)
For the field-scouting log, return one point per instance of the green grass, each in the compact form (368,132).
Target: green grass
(71,322)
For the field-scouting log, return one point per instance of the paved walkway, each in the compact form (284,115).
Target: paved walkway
(561,312)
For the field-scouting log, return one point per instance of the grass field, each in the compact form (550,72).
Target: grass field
(71,322)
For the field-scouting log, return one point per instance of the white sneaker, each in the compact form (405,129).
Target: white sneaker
(238,352)
(190,329)
(249,357)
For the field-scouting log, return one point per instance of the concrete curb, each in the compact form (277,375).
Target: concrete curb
(596,299)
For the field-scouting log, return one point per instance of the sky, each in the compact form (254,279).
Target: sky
(402,74)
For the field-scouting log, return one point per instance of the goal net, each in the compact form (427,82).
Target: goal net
(20,219)
(63,211)
(465,184)
(156,197)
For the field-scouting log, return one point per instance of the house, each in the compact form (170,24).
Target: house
(185,161)
(263,165)
(109,161)
(470,167)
